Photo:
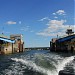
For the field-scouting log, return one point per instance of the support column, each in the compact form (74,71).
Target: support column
(12,48)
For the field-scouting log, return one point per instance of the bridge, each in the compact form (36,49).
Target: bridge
(38,48)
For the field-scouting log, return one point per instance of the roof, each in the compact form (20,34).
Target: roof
(2,35)
(66,38)
(16,35)
(7,40)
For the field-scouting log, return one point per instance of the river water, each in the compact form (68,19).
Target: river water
(36,62)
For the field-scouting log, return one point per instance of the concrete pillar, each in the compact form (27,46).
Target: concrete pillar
(12,48)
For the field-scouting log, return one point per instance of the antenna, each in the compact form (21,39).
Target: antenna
(69,27)
(69,31)
(3,30)
(57,35)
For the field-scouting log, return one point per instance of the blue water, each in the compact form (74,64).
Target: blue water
(35,62)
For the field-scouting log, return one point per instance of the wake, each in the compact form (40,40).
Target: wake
(33,66)
(60,66)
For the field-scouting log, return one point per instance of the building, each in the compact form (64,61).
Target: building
(11,45)
(6,45)
(53,44)
(19,43)
(65,44)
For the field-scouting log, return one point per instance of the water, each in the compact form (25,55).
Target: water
(41,62)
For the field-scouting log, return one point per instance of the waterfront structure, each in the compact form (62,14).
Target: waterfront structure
(19,43)
(65,44)
(12,44)
(6,45)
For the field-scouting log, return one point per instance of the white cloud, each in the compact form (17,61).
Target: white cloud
(54,13)
(45,34)
(55,17)
(56,22)
(26,28)
(7,32)
(55,27)
(11,22)
(20,22)
(60,12)
(31,31)
(45,18)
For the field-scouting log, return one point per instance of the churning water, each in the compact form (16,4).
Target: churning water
(35,62)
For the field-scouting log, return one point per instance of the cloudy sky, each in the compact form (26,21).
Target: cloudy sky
(37,20)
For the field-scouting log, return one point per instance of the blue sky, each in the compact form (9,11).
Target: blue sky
(37,20)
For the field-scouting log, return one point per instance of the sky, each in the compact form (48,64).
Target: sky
(37,20)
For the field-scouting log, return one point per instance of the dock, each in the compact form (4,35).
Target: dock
(11,45)
(64,44)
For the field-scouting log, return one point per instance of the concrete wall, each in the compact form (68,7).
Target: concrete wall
(63,46)
(6,49)
(19,44)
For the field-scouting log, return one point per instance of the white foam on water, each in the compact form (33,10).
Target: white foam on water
(14,69)
(63,63)
(34,66)
(60,66)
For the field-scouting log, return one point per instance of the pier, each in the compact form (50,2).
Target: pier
(11,45)
(65,43)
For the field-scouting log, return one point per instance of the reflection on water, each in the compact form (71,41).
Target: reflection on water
(35,62)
